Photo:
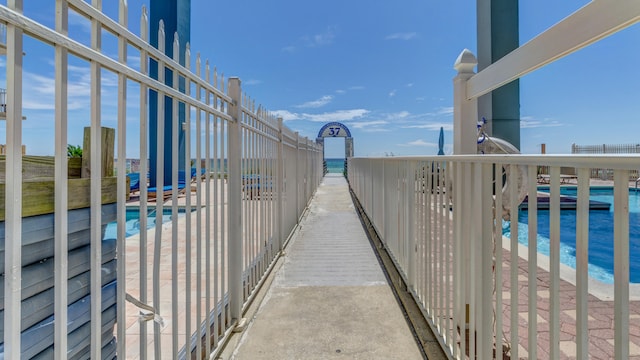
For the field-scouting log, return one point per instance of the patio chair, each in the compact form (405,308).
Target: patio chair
(134,182)
(167,190)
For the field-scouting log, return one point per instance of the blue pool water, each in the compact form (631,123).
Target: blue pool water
(133,222)
(600,234)
(335,165)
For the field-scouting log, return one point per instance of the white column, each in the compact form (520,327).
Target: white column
(465,111)
(483,29)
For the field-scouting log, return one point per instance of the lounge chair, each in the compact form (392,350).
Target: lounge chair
(252,186)
(134,182)
(168,190)
(567,174)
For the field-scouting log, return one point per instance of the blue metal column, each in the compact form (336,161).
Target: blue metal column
(176,15)
(498,34)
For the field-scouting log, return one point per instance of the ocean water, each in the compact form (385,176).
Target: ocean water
(335,165)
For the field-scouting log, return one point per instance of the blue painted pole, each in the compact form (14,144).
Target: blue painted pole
(498,34)
(176,15)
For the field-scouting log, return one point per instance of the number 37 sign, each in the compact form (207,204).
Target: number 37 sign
(334,130)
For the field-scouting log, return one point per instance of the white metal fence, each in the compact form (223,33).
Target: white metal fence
(441,223)
(482,290)
(181,286)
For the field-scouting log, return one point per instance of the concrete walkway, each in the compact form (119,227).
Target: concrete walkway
(330,298)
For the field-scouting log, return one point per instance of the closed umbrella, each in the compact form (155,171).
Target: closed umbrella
(441,142)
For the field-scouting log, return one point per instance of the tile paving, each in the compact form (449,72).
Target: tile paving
(600,317)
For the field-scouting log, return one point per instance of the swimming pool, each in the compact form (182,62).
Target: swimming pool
(600,234)
(133,221)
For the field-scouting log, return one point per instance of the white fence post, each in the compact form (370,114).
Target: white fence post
(13,190)
(280,189)
(235,202)
(297,181)
(465,110)
(62,191)
(410,238)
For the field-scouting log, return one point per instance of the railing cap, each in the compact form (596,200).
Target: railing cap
(465,62)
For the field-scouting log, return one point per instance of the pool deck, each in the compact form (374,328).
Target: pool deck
(600,310)
(600,307)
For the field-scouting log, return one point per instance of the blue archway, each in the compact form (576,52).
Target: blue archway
(336,129)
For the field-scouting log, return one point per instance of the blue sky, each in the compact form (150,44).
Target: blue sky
(383,68)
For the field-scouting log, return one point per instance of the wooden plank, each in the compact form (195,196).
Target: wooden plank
(75,167)
(38,195)
(108,143)
(41,167)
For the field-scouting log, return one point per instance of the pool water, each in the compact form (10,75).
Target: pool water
(133,222)
(600,234)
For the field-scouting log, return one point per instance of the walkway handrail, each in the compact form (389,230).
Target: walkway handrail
(591,23)
(437,218)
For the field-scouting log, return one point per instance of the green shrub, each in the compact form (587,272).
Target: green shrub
(74,151)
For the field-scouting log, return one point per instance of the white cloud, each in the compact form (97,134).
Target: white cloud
(419,142)
(393,93)
(401,36)
(340,115)
(528,122)
(357,87)
(431,126)
(40,90)
(289,49)
(80,21)
(252,82)
(322,39)
(446,110)
(340,91)
(410,85)
(367,124)
(316,103)
(286,115)
(376,129)
(399,115)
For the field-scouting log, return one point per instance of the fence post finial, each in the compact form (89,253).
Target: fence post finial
(465,62)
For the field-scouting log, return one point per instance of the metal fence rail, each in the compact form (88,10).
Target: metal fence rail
(488,295)
(607,174)
(606,149)
(182,286)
